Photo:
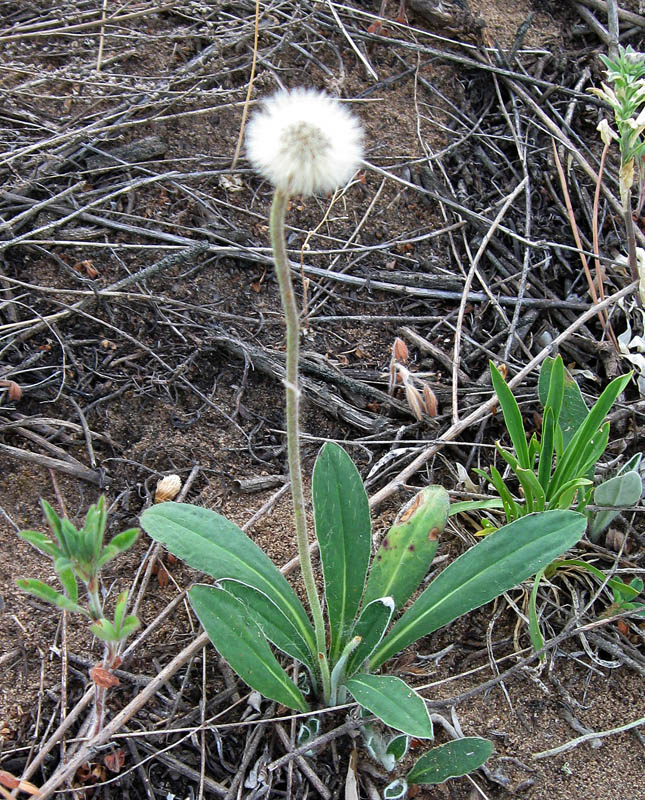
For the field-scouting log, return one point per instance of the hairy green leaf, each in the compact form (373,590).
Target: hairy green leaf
(275,625)
(393,701)
(343,530)
(238,638)
(407,550)
(451,760)
(211,543)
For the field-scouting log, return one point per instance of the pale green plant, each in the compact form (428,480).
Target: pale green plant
(303,142)
(624,92)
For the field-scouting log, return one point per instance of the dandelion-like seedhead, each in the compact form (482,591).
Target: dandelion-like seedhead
(304,141)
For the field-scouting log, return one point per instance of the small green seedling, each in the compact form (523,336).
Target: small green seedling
(79,556)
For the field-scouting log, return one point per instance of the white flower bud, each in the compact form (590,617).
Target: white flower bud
(167,488)
(304,141)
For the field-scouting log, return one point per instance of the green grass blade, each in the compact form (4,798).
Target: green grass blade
(533,491)
(537,640)
(238,638)
(343,530)
(511,507)
(475,505)
(545,463)
(512,416)
(573,452)
(493,566)
(555,394)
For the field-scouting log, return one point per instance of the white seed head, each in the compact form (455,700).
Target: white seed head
(304,141)
(167,488)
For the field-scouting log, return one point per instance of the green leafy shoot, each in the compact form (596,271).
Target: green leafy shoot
(78,556)
(556,470)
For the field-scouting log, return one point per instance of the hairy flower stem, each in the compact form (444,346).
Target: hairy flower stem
(631,242)
(278,210)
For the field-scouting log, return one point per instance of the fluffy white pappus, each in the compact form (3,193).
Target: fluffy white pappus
(304,141)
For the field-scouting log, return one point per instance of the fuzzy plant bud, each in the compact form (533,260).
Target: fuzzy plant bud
(304,142)
(400,350)
(167,488)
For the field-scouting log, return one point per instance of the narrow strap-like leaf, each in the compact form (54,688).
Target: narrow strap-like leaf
(393,701)
(585,433)
(343,530)
(545,463)
(533,491)
(537,640)
(512,416)
(494,565)
(238,638)
(555,394)
(573,411)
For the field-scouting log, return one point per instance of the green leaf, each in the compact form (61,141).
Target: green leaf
(405,554)
(574,451)
(620,590)
(124,541)
(592,452)
(103,629)
(555,395)
(129,626)
(537,640)
(512,416)
(343,530)
(535,448)
(574,410)
(451,760)
(393,702)
(563,498)
(398,747)
(621,491)
(44,592)
(211,543)
(238,638)
(41,542)
(533,491)
(545,464)
(120,609)
(73,540)
(474,505)
(371,627)
(493,566)
(53,519)
(275,625)
(397,790)
(118,544)
(68,579)
(511,507)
